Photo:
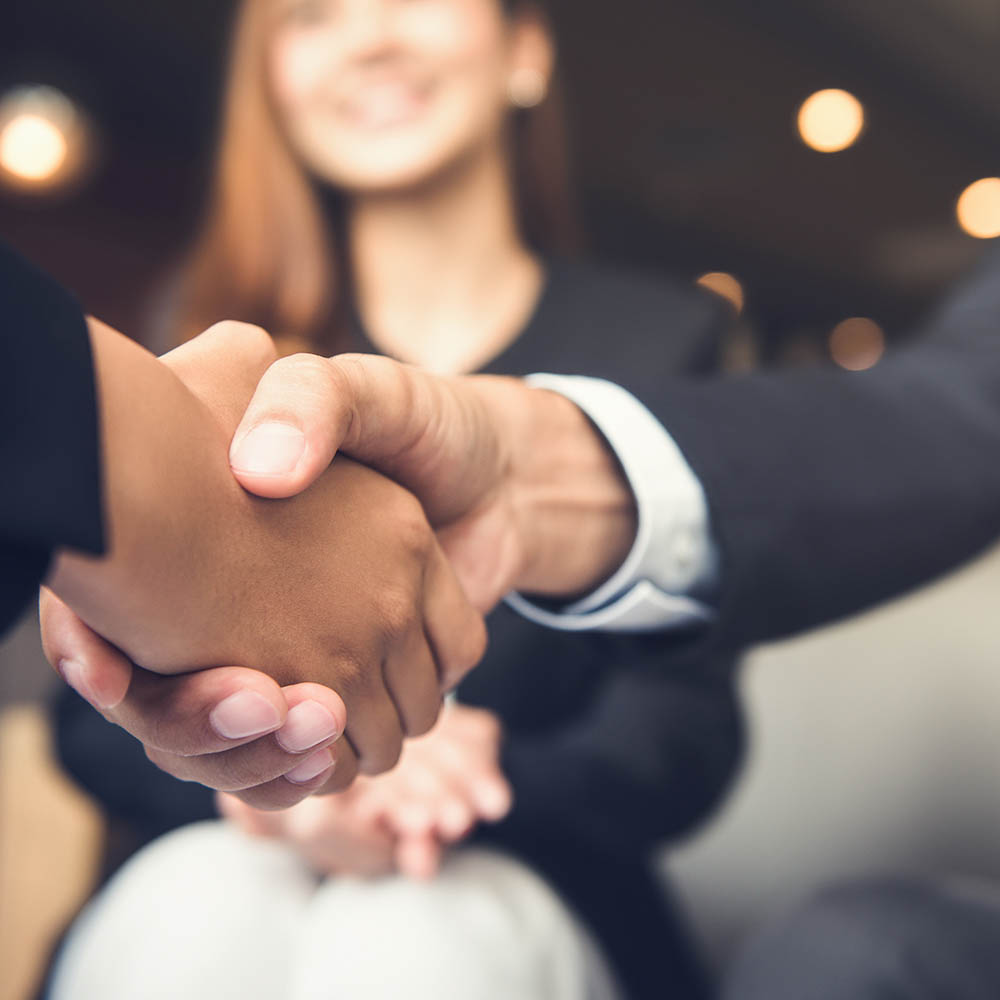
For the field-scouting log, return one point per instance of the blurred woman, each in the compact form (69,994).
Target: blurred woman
(392,178)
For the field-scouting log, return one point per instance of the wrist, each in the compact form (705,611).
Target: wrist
(573,508)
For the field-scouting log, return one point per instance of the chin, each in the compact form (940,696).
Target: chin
(392,163)
(390,174)
(383,179)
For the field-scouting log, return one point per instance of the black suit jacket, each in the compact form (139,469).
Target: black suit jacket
(832,491)
(48,431)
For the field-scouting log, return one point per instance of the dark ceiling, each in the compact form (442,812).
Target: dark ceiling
(682,114)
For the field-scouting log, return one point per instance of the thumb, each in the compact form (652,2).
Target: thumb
(432,435)
(297,419)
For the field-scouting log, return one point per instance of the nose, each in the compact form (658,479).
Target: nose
(367,26)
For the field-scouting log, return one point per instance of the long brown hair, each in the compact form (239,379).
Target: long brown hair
(271,250)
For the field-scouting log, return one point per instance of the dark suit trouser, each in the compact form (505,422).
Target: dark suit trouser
(886,940)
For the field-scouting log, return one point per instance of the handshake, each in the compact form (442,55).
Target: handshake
(301,551)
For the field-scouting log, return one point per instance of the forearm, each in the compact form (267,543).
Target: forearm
(167,490)
(831,492)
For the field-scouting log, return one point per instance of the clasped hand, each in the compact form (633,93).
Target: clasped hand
(349,587)
(340,599)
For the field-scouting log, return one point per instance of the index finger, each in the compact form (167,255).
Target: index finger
(204,712)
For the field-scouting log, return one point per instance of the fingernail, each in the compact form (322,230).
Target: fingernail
(77,676)
(244,714)
(305,726)
(271,449)
(312,767)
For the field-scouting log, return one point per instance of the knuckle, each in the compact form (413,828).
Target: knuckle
(356,371)
(410,528)
(309,368)
(234,775)
(383,757)
(302,384)
(176,767)
(155,731)
(397,612)
(163,726)
(247,337)
(352,681)
(237,770)
(465,650)
(423,717)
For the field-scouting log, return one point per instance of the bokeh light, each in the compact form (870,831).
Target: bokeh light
(831,120)
(857,343)
(32,148)
(725,286)
(979,209)
(45,141)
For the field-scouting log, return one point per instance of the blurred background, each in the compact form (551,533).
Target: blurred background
(688,157)
(830,165)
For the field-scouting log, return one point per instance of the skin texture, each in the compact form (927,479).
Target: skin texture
(372,609)
(445,783)
(523,491)
(516,476)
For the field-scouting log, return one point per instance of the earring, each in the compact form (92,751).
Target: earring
(526,88)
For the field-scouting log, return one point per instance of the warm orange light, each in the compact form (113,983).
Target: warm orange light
(32,148)
(857,344)
(46,141)
(979,209)
(831,120)
(725,286)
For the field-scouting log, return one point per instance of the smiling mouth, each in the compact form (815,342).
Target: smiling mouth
(383,105)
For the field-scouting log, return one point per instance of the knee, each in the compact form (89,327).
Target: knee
(479,901)
(210,864)
(485,927)
(189,905)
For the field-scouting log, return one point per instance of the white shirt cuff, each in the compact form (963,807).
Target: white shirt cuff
(673,555)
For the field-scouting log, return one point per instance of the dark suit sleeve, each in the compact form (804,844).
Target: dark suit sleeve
(646,764)
(833,491)
(48,431)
